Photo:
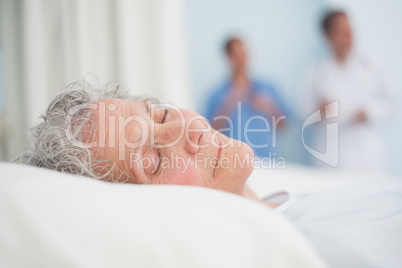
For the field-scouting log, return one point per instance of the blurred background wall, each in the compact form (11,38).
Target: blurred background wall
(47,44)
(173,49)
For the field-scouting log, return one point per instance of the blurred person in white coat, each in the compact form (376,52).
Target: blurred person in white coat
(363,94)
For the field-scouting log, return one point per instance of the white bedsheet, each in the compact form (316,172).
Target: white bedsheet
(353,219)
(359,225)
(298,179)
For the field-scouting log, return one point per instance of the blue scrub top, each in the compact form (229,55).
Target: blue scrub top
(261,142)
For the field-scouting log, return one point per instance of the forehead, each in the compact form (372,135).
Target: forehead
(116,119)
(121,107)
(340,20)
(236,45)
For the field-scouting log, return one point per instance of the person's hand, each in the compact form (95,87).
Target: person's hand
(236,94)
(268,107)
(322,106)
(360,117)
(265,104)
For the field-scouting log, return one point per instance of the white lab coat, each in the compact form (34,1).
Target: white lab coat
(359,84)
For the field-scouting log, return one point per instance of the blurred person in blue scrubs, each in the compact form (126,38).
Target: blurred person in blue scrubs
(360,86)
(245,108)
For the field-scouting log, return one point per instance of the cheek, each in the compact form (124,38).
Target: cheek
(186,176)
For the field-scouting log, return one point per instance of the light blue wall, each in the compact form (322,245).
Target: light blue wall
(2,91)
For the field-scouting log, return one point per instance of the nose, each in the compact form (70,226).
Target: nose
(194,139)
(185,131)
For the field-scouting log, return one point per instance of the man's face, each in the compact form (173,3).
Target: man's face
(237,55)
(157,145)
(340,35)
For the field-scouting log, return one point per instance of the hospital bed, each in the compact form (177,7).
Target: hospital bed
(50,219)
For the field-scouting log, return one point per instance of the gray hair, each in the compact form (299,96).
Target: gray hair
(50,146)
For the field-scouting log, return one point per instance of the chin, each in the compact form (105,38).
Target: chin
(248,149)
(234,178)
(247,152)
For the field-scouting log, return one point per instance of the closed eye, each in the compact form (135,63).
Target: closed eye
(164,116)
(166,111)
(159,163)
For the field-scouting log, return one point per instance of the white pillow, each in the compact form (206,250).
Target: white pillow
(50,219)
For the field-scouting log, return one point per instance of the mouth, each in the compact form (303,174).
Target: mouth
(218,155)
